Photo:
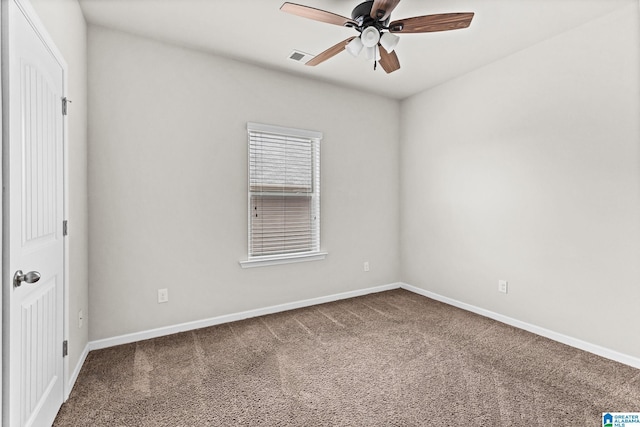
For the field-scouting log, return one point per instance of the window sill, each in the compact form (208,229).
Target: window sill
(282,259)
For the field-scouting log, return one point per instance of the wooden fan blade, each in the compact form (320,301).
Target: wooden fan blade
(388,61)
(317,14)
(381,9)
(329,53)
(432,23)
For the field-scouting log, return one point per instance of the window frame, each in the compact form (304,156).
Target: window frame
(315,254)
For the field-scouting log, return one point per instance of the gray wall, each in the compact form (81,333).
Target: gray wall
(528,170)
(65,23)
(168,184)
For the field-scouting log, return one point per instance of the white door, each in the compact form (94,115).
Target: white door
(34,239)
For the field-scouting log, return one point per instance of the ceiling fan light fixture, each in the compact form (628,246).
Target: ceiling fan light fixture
(354,47)
(370,36)
(389,41)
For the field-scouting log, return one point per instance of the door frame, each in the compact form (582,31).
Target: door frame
(29,12)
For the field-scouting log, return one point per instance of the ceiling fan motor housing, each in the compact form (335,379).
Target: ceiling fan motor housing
(362,15)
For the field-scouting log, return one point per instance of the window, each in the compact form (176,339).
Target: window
(284,195)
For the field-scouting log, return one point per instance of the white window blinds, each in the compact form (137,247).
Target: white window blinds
(284,191)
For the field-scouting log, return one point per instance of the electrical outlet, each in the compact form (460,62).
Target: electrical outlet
(80,319)
(503,286)
(366,266)
(163,295)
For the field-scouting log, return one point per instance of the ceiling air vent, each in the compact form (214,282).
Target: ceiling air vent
(299,56)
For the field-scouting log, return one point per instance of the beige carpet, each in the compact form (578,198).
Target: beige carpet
(388,359)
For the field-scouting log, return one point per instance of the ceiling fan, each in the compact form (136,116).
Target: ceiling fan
(371,20)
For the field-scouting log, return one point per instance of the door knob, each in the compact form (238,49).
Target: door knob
(30,277)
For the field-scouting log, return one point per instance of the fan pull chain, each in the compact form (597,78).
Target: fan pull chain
(375,64)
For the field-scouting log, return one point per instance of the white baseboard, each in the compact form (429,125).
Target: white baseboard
(74,375)
(188,326)
(564,339)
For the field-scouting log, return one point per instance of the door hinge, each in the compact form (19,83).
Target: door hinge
(65,348)
(65,102)
(65,228)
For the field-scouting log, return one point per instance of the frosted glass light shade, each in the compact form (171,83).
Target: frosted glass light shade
(354,47)
(389,41)
(370,36)
(373,53)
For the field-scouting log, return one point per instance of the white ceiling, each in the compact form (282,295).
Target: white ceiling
(256,31)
